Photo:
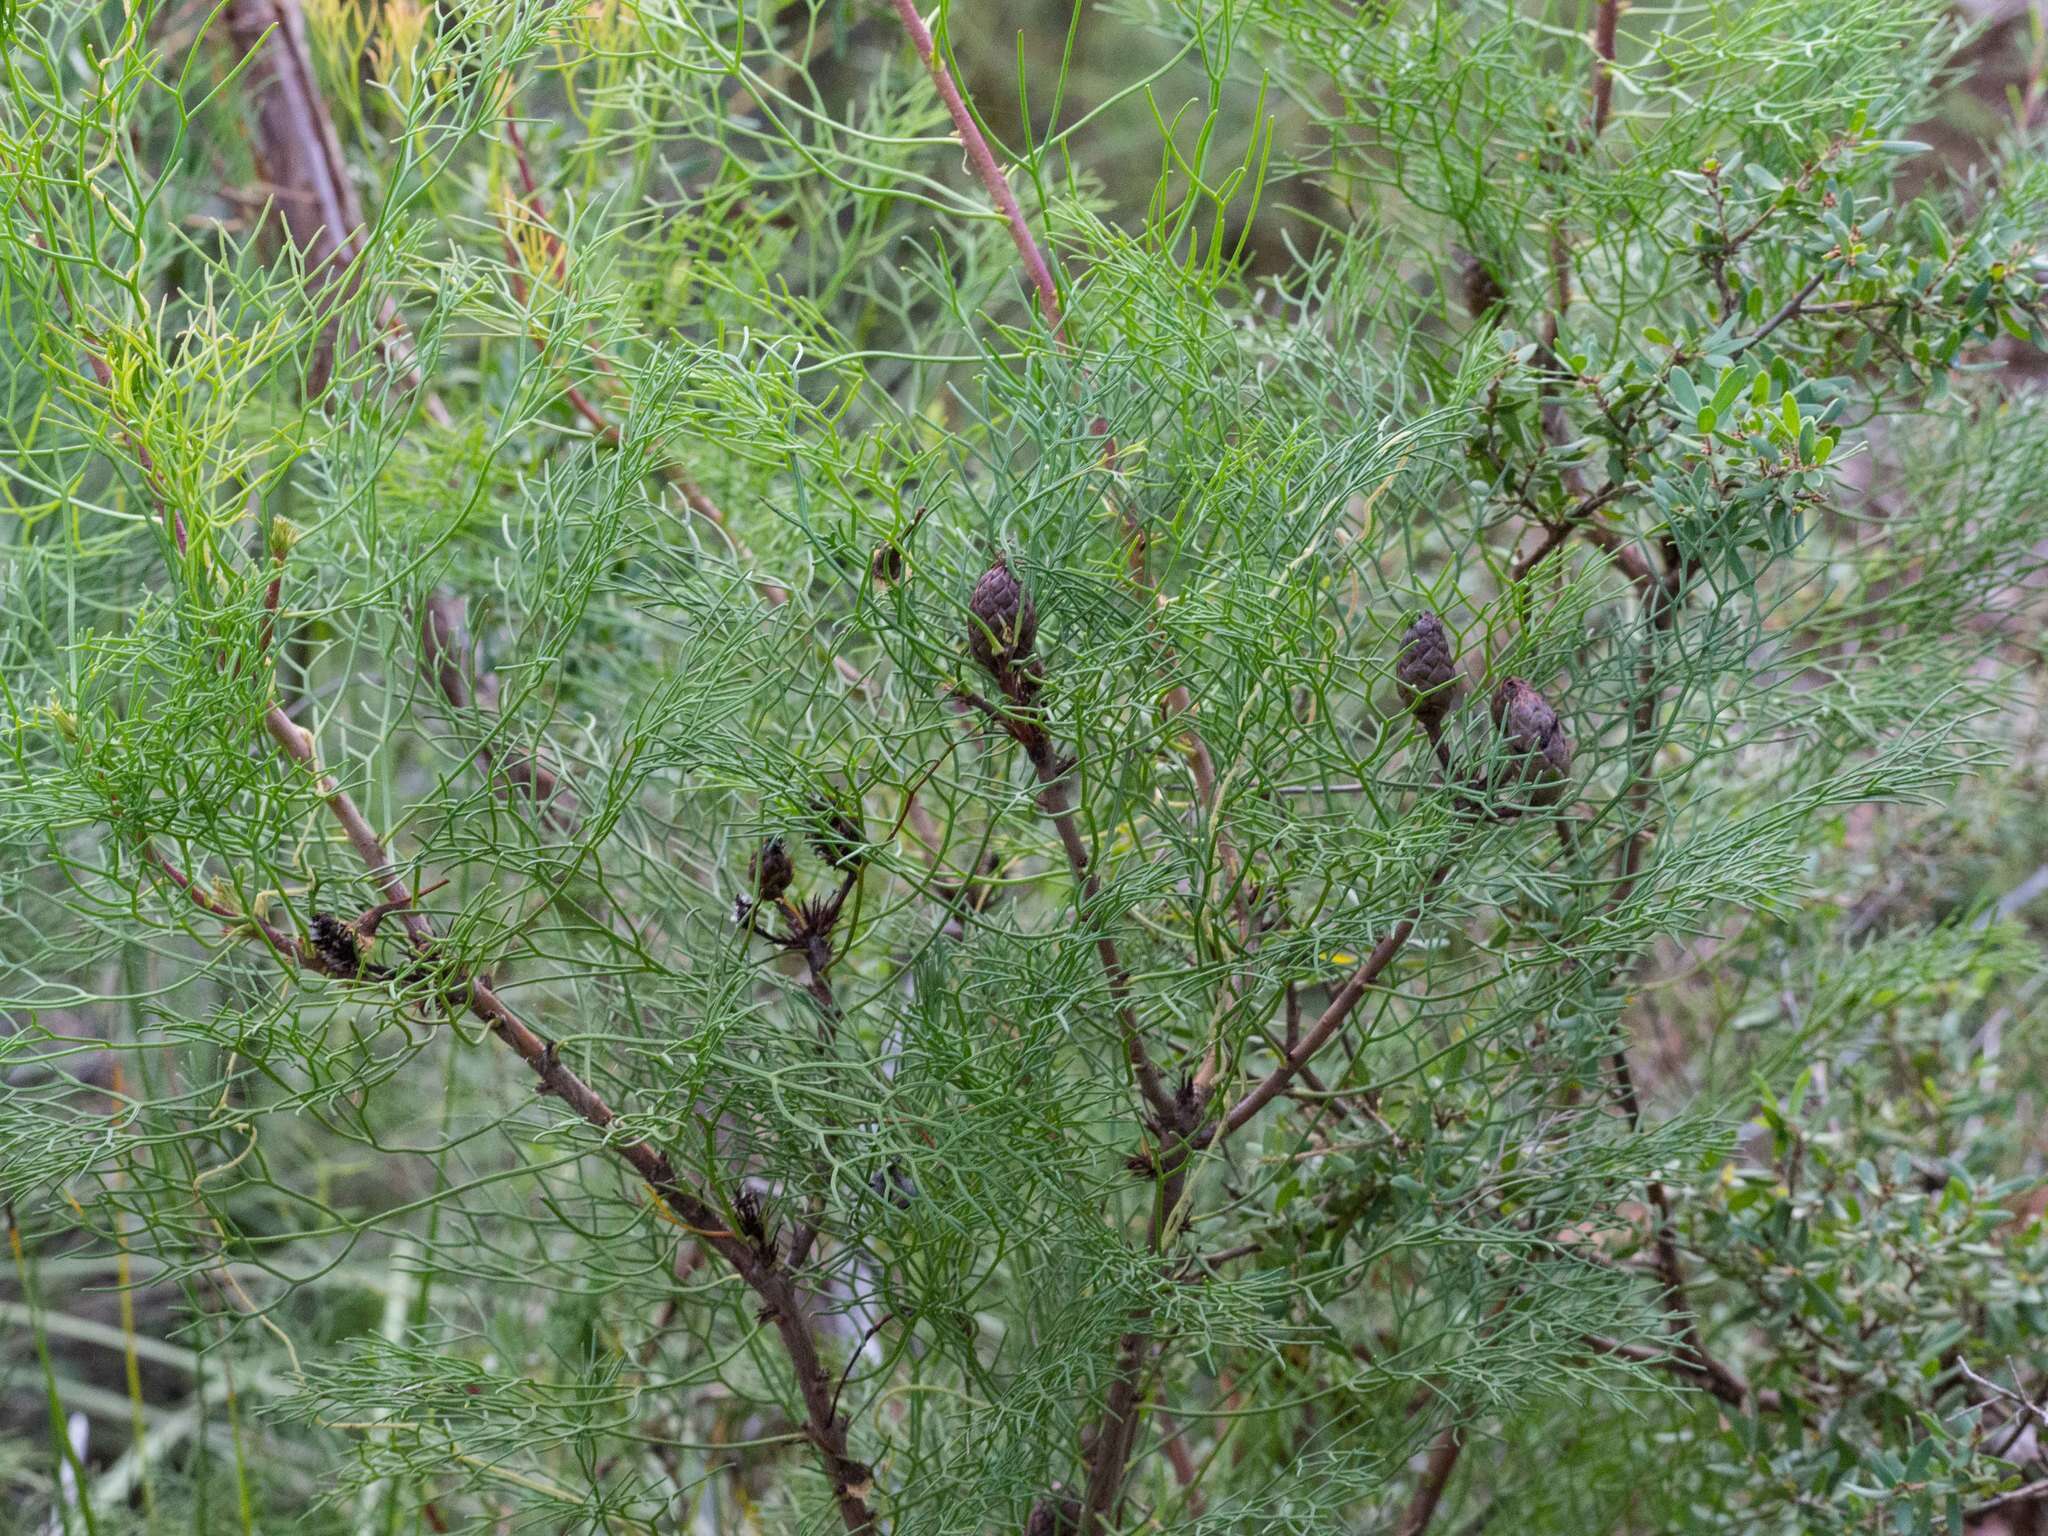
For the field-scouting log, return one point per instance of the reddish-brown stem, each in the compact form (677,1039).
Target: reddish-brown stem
(761,1271)
(1661,598)
(1625,557)
(1661,603)
(1554,535)
(1578,517)
(759,1266)
(1331,1020)
(450,656)
(1555,426)
(1722,1382)
(534,208)
(1116,1432)
(983,159)
(296,950)
(1055,798)
(271,594)
(1036,268)
(1436,1476)
(531,207)
(1185,1472)
(1604,20)
(1660,594)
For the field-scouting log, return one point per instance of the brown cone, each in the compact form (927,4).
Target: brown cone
(1004,625)
(1539,753)
(1426,669)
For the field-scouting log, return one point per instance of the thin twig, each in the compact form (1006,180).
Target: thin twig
(699,501)
(534,210)
(983,159)
(1789,312)
(1331,1020)
(2025,1405)
(450,657)
(301,157)
(1055,798)
(759,1266)
(1723,1383)
(1661,593)
(1116,1432)
(1555,533)
(1436,1475)
(782,1306)
(1684,1323)
(2013,1498)
(1604,21)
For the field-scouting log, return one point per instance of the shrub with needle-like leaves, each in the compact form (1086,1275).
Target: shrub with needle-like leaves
(716,819)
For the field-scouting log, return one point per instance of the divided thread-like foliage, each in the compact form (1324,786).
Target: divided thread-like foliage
(1098,1017)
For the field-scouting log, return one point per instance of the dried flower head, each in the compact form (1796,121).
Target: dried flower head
(770,871)
(1005,622)
(335,942)
(1539,753)
(749,1218)
(1427,669)
(836,832)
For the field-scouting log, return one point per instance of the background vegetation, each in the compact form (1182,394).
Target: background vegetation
(1235,767)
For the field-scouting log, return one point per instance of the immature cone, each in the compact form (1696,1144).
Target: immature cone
(771,870)
(1539,754)
(1426,669)
(1004,623)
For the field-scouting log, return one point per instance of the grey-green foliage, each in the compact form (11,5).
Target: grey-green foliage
(1712,344)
